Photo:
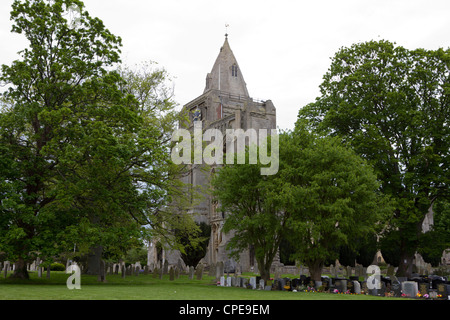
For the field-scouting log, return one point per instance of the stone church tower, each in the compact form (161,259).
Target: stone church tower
(224,104)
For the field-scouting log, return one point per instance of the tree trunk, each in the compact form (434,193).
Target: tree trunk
(405,266)
(20,271)
(264,269)
(315,270)
(93,261)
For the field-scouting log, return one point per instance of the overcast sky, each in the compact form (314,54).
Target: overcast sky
(283,47)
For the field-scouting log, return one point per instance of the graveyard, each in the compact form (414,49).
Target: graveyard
(170,283)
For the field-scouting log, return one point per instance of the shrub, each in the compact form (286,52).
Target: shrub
(57,267)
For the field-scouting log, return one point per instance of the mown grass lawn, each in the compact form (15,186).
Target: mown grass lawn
(147,287)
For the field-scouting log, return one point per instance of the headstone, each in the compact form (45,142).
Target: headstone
(356,287)
(191,273)
(199,272)
(5,269)
(177,273)
(212,270)
(171,274)
(442,289)
(410,288)
(145,270)
(222,281)
(137,270)
(253,282)
(396,288)
(279,284)
(155,272)
(350,286)
(423,288)
(229,281)
(261,284)
(340,284)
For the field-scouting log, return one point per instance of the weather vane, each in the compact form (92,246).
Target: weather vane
(226,30)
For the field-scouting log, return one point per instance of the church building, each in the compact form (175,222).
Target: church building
(224,104)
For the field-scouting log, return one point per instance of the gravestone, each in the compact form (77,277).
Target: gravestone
(442,289)
(410,288)
(171,274)
(199,272)
(137,270)
(253,282)
(356,287)
(229,281)
(155,272)
(244,282)
(145,270)
(222,281)
(5,269)
(287,286)
(396,287)
(276,285)
(261,284)
(212,270)
(350,286)
(191,273)
(423,288)
(340,284)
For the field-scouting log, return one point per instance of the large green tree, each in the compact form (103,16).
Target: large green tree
(85,160)
(391,105)
(253,216)
(332,197)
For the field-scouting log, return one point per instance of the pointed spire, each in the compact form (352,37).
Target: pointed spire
(226,75)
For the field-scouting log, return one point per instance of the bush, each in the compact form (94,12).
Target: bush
(57,267)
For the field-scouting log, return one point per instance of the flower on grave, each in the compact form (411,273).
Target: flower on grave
(426,296)
(336,291)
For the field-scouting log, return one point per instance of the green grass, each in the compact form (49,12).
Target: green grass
(146,287)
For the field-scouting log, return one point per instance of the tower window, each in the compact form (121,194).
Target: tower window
(234,70)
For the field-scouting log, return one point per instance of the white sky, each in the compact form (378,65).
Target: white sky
(283,47)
